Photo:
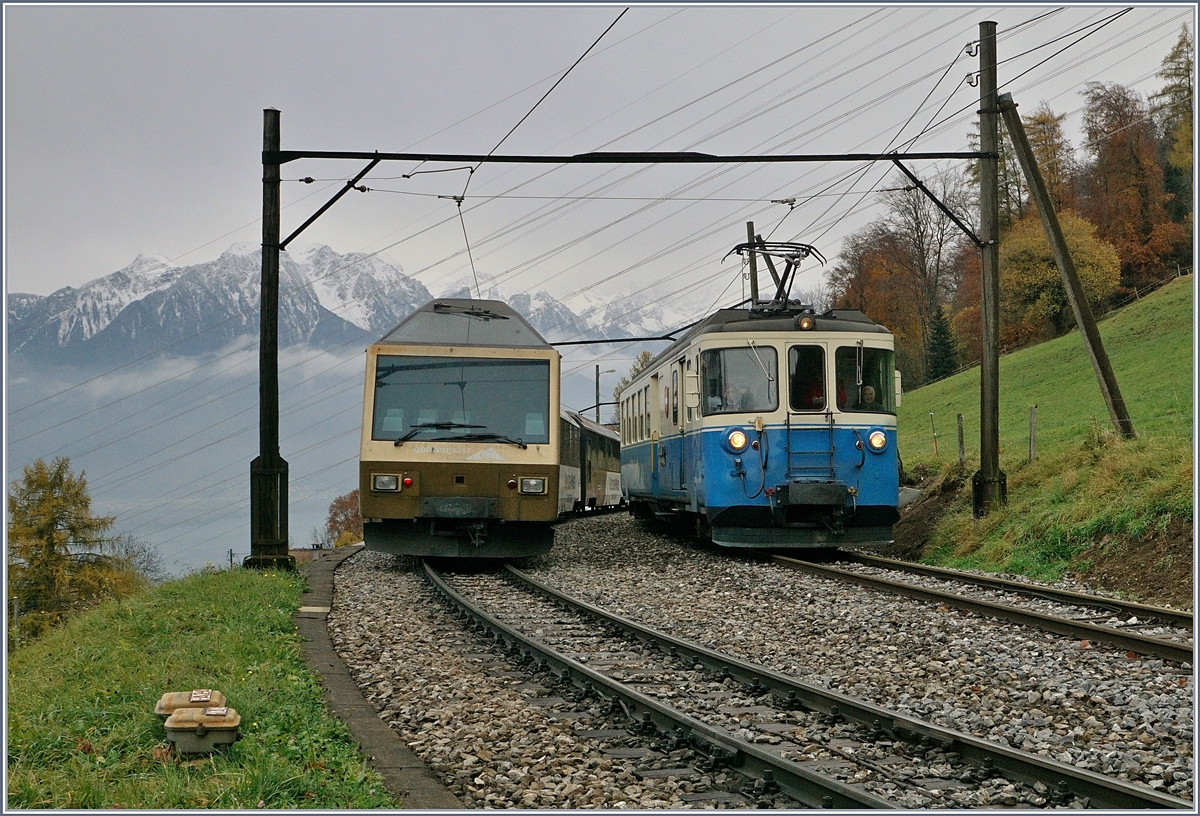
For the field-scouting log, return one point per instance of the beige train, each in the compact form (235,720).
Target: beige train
(465,451)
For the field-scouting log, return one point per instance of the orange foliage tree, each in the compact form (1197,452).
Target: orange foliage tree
(344,524)
(901,268)
(1123,192)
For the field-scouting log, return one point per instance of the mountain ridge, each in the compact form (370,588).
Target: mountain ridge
(327,299)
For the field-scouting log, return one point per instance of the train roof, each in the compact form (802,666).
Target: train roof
(772,320)
(582,421)
(465,322)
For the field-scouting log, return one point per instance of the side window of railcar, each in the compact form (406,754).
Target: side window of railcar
(865,379)
(675,396)
(806,369)
(736,380)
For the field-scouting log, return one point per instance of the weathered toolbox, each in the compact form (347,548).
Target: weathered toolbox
(196,698)
(201,730)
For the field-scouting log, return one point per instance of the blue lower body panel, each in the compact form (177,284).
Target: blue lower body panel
(808,486)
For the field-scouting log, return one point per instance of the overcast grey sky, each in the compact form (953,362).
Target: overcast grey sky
(137,129)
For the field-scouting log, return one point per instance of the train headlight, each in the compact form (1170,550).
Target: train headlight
(877,440)
(737,440)
(385,481)
(805,322)
(534,486)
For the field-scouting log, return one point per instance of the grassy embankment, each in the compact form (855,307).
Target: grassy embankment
(82,732)
(1087,487)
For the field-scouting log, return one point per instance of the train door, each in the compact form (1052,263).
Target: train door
(690,440)
(678,412)
(659,429)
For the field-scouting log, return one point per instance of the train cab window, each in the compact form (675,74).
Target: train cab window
(738,380)
(444,398)
(865,379)
(806,378)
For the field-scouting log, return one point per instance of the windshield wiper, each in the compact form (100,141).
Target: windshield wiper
(490,435)
(437,426)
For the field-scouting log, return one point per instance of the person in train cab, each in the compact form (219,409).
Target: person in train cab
(737,399)
(813,395)
(868,397)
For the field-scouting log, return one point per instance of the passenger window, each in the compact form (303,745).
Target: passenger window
(806,367)
(689,410)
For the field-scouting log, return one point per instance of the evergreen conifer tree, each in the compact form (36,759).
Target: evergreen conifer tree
(941,359)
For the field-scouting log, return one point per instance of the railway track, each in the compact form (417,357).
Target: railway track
(1070,614)
(818,747)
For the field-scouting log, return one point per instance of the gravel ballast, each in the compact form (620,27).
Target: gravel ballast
(1082,704)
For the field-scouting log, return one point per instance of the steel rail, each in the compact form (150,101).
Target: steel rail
(1175,617)
(805,786)
(1102,791)
(1141,644)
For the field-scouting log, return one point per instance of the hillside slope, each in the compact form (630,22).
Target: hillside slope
(1114,513)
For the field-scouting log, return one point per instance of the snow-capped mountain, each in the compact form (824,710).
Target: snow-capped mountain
(597,318)
(326,299)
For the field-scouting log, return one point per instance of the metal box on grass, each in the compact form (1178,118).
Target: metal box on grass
(201,730)
(196,698)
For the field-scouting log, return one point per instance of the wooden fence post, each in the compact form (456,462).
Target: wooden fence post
(1032,432)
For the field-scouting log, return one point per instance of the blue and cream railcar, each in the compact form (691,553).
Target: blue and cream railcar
(768,428)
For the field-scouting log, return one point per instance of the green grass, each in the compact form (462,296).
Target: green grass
(1086,485)
(82,732)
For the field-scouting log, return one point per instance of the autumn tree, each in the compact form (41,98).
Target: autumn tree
(1054,155)
(1012,191)
(1033,301)
(867,277)
(1123,192)
(905,265)
(1172,109)
(61,558)
(344,524)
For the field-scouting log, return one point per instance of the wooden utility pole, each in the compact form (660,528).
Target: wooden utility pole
(753,264)
(989,485)
(269,472)
(1066,267)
